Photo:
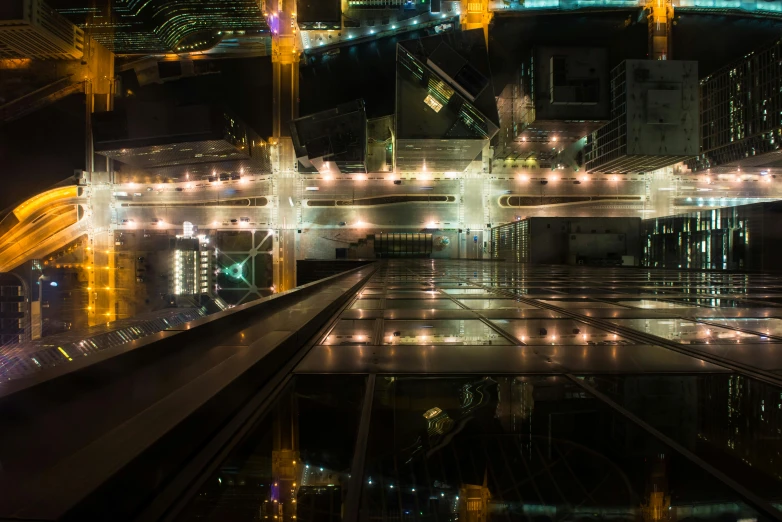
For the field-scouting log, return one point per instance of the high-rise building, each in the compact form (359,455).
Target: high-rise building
(334,140)
(191,266)
(13,309)
(566,240)
(741,113)
(191,141)
(558,96)
(148,26)
(32,29)
(563,94)
(744,237)
(446,112)
(654,118)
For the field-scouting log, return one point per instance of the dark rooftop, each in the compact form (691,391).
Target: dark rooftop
(311,11)
(450,85)
(338,134)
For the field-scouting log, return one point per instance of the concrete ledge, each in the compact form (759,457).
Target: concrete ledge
(96,442)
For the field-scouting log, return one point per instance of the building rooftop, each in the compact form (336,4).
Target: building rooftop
(336,135)
(444,88)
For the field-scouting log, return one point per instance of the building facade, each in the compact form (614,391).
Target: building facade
(654,118)
(741,113)
(565,240)
(192,141)
(446,112)
(334,140)
(745,237)
(191,267)
(32,29)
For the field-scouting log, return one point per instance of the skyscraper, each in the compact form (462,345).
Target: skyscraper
(654,118)
(741,113)
(446,112)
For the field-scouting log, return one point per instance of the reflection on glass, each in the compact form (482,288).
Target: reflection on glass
(763,325)
(351,332)
(493,304)
(366,304)
(732,421)
(654,304)
(688,332)
(557,332)
(462,331)
(420,304)
(579,303)
(289,467)
(504,448)
(468,291)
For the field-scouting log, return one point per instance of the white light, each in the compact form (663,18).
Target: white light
(360,224)
(431,224)
(393,27)
(523,178)
(360,177)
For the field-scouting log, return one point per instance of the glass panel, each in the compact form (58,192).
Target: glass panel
(351,332)
(731,421)
(468,291)
(523,448)
(654,304)
(465,332)
(581,303)
(367,304)
(493,304)
(289,467)
(421,304)
(766,325)
(557,332)
(688,332)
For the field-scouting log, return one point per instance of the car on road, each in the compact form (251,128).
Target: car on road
(149,189)
(333,52)
(225,176)
(179,189)
(137,194)
(342,223)
(397,182)
(234,221)
(235,176)
(244,219)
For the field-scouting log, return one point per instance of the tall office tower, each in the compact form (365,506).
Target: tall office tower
(446,112)
(558,96)
(741,113)
(334,140)
(191,266)
(654,118)
(150,26)
(32,29)
(744,237)
(192,141)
